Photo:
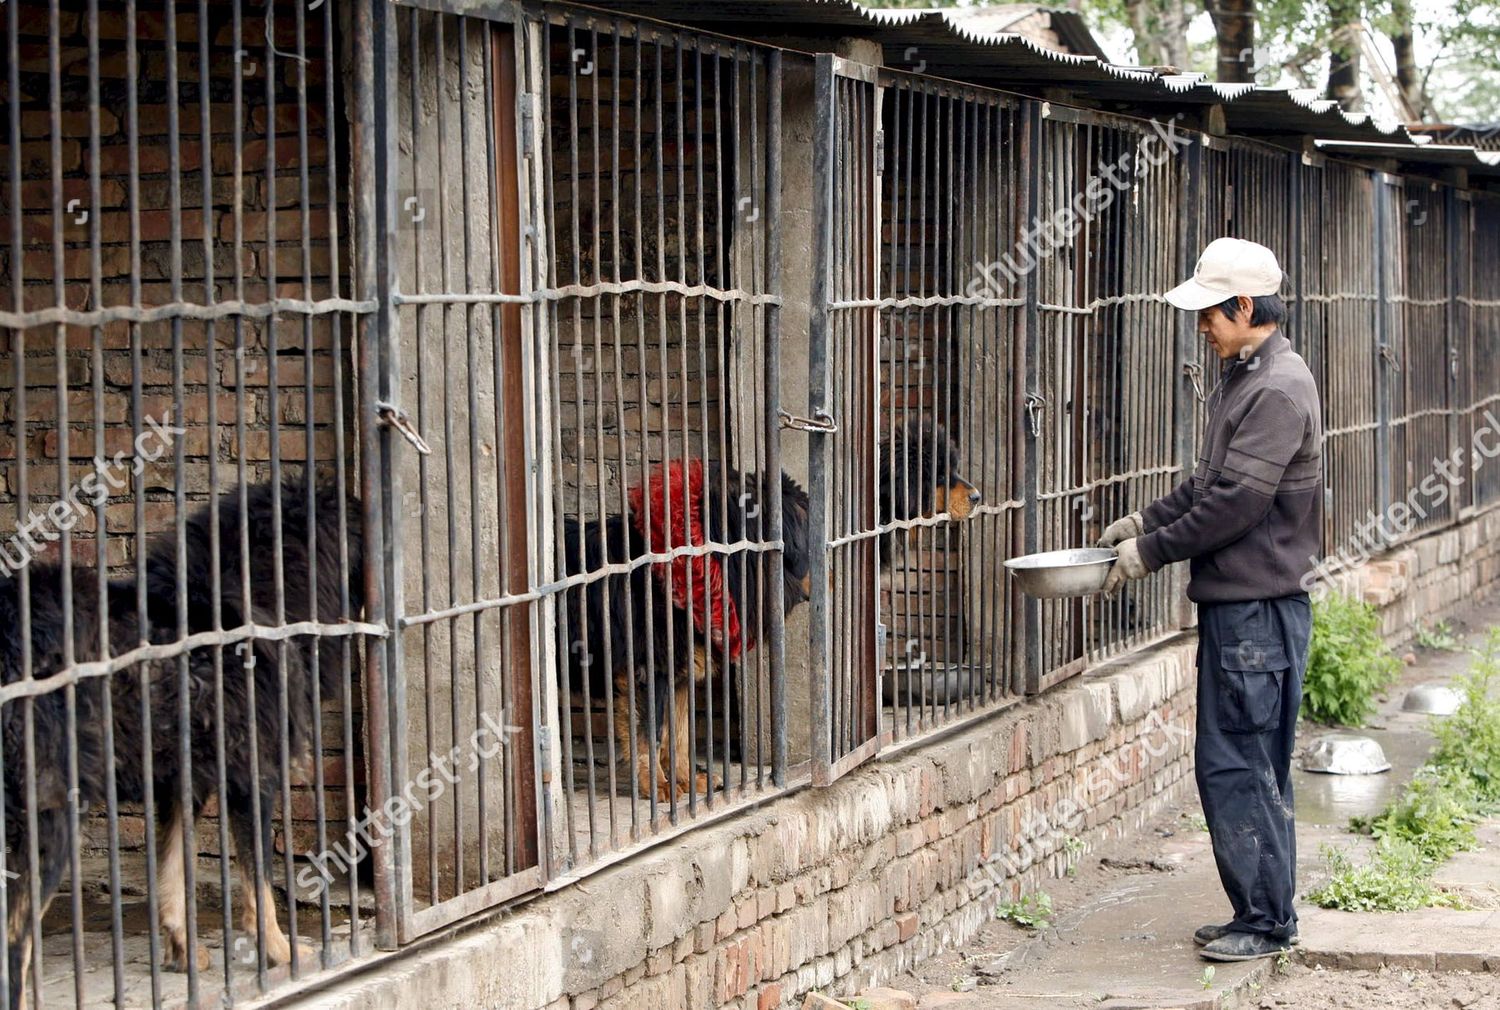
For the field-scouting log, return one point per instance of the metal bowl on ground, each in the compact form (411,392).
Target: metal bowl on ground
(1345,754)
(1055,574)
(1432,699)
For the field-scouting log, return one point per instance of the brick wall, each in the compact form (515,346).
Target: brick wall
(843,885)
(1430,578)
(99,362)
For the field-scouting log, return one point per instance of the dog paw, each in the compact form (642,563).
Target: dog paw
(700,783)
(175,956)
(279,951)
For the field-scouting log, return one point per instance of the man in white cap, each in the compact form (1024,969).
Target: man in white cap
(1248,519)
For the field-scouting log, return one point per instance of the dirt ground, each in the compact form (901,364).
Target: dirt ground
(1316,988)
(1004,958)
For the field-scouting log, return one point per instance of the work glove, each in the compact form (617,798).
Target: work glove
(1127,567)
(1122,529)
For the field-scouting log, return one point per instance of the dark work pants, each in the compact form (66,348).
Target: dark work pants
(1251,660)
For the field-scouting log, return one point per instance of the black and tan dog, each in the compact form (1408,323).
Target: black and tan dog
(623,632)
(141,710)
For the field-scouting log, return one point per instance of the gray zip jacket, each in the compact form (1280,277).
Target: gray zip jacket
(1251,515)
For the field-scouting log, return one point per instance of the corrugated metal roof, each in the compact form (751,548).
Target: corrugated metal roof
(1475,160)
(946,43)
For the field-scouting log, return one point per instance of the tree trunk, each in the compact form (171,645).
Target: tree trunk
(1159,28)
(1408,79)
(1174,32)
(1234,24)
(1343,55)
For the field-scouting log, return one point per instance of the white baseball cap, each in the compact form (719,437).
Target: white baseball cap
(1228,267)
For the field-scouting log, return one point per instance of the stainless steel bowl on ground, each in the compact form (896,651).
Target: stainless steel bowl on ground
(1345,754)
(1056,574)
(1432,699)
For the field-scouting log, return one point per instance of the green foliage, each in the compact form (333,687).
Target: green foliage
(1397,879)
(1435,814)
(1468,741)
(1439,636)
(1206,980)
(1348,663)
(1033,911)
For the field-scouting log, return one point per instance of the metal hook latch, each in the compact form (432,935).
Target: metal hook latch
(1035,403)
(821,422)
(1390,356)
(1453,361)
(393,416)
(1194,371)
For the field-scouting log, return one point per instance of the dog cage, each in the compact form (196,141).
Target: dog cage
(188,679)
(914,368)
(1479,309)
(1103,410)
(539,383)
(1343,295)
(1422,369)
(949,373)
(680,544)
(463,610)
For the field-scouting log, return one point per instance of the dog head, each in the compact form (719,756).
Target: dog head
(920,475)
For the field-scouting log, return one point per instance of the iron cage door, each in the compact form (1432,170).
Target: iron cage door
(843,394)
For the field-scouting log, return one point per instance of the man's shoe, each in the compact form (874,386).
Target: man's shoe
(1206,935)
(1244,947)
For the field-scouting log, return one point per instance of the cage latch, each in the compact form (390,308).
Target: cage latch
(1389,355)
(1035,404)
(1194,371)
(821,422)
(392,416)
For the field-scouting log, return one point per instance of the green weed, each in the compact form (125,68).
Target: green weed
(1348,663)
(1439,636)
(1435,814)
(1033,911)
(1397,879)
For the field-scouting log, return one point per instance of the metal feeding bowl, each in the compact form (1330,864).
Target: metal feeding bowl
(1432,699)
(1345,754)
(1054,574)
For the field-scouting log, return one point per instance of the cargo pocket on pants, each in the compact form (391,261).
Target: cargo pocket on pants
(1251,674)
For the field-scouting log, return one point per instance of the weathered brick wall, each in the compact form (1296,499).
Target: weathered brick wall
(1432,577)
(843,885)
(216,357)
